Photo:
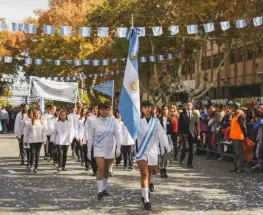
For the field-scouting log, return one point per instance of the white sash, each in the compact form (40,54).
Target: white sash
(99,138)
(147,137)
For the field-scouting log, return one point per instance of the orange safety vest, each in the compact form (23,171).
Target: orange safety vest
(235,129)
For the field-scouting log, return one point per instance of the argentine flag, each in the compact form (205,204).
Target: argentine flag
(129,105)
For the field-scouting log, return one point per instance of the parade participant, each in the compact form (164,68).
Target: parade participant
(62,135)
(71,118)
(46,117)
(53,149)
(80,134)
(78,148)
(174,117)
(4,119)
(93,116)
(238,133)
(19,118)
(151,135)
(103,133)
(35,136)
(21,135)
(84,143)
(167,125)
(117,116)
(188,129)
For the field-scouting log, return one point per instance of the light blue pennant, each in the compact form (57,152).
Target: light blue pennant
(209,27)
(122,32)
(105,62)
(225,25)
(257,21)
(31,28)
(69,61)
(141,31)
(77,62)
(170,56)
(152,58)
(157,31)
(103,32)
(241,23)
(8,59)
(160,57)
(2,26)
(49,29)
(38,61)
(66,31)
(96,62)
(192,29)
(174,29)
(143,59)
(17,27)
(84,31)
(57,62)
(86,62)
(28,61)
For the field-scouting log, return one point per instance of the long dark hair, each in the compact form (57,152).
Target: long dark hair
(165,106)
(106,106)
(146,104)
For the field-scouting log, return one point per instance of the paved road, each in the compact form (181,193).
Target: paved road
(209,189)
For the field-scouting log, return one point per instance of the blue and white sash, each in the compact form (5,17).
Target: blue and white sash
(99,138)
(147,137)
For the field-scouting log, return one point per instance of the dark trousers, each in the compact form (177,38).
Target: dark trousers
(46,147)
(118,159)
(238,154)
(34,154)
(187,145)
(51,150)
(74,148)
(127,152)
(55,153)
(93,162)
(22,150)
(62,155)
(79,150)
(85,154)
(174,139)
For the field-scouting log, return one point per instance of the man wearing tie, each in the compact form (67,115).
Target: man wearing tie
(188,130)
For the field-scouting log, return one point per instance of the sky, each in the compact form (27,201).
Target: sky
(17,10)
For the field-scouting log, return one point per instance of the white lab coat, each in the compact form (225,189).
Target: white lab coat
(35,133)
(106,148)
(80,129)
(88,122)
(126,137)
(22,130)
(159,137)
(63,133)
(73,118)
(47,119)
(18,121)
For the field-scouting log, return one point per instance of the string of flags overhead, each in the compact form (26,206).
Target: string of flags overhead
(94,62)
(121,32)
(10,78)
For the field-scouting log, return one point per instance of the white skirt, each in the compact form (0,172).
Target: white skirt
(151,158)
(104,153)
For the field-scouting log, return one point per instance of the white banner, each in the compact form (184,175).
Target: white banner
(60,91)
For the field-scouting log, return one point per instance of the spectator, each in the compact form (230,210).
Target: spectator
(4,118)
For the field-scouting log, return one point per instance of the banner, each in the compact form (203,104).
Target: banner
(106,88)
(60,91)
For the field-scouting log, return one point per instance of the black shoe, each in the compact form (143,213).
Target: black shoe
(105,193)
(100,195)
(78,160)
(190,166)
(165,174)
(22,163)
(175,159)
(240,171)
(151,187)
(82,163)
(130,167)
(233,170)
(59,169)
(181,163)
(111,174)
(64,169)
(94,174)
(147,206)
(35,170)
(161,172)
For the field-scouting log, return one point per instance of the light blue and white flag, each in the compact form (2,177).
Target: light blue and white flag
(174,29)
(122,32)
(141,31)
(61,78)
(2,26)
(57,62)
(103,32)
(66,31)
(48,60)
(192,29)
(241,23)
(225,25)
(152,58)
(123,59)
(84,31)
(179,55)
(28,61)
(77,62)
(160,57)
(157,31)
(86,62)
(96,62)
(129,105)
(74,78)
(170,56)
(105,62)
(67,78)
(257,21)
(107,88)
(31,28)
(209,27)
(143,59)
(17,27)
(49,29)
(38,61)
(8,59)
(69,61)
(114,60)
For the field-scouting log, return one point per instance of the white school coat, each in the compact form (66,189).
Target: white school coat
(106,148)
(159,137)
(73,119)
(126,137)
(35,133)
(88,122)
(47,119)
(63,133)
(80,129)
(22,130)
(18,121)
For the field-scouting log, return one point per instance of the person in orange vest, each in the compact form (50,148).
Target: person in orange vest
(238,134)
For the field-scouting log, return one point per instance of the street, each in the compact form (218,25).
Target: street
(208,189)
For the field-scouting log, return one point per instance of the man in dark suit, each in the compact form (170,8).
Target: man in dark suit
(188,130)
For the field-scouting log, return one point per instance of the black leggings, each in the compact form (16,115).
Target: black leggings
(34,154)
(62,155)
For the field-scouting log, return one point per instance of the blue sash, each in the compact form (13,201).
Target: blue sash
(99,138)
(147,137)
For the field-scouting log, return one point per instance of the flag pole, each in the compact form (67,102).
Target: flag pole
(112,98)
